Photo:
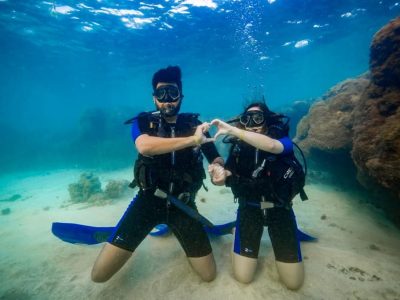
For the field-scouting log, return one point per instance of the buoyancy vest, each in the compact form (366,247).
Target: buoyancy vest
(258,174)
(177,172)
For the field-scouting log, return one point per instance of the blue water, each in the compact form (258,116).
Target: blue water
(60,59)
(71,72)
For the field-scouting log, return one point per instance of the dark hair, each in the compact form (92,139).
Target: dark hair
(274,123)
(264,108)
(270,116)
(262,105)
(172,74)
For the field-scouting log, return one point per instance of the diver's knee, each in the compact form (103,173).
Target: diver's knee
(208,273)
(293,284)
(209,276)
(99,277)
(243,277)
(244,268)
(204,266)
(110,260)
(291,274)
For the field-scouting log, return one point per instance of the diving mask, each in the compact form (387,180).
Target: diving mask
(167,93)
(252,118)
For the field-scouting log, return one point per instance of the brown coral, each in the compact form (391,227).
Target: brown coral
(362,117)
(329,124)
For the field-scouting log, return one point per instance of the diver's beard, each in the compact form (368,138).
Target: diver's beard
(170,110)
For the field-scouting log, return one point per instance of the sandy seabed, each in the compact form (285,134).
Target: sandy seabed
(357,255)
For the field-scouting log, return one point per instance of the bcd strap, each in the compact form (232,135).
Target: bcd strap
(155,114)
(133,184)
(303,195)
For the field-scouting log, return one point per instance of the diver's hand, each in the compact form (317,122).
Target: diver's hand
(199,138)
(218,174)
(223,128)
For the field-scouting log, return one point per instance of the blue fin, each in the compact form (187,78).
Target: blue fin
(304,237)
(159,230)
(81,234)
(91,235)
(221,229)
(228,227)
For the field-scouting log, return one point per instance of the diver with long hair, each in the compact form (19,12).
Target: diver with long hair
(264,176)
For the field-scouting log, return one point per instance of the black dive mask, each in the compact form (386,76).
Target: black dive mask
(167,94)
(252,118)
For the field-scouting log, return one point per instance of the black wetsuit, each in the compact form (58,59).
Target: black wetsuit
(250,189)
(180,174)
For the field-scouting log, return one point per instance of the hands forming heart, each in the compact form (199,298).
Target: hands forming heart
(223,128)
(217,172)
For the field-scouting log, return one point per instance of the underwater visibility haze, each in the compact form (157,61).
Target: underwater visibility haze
(61,59)
(71,73)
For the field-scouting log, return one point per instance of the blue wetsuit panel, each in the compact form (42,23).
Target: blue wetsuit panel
(135,130)
(287,145)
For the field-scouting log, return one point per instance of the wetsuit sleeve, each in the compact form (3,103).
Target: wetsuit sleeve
(287,145)
(230,165)
(139,126)
(209,150)
(135,130)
